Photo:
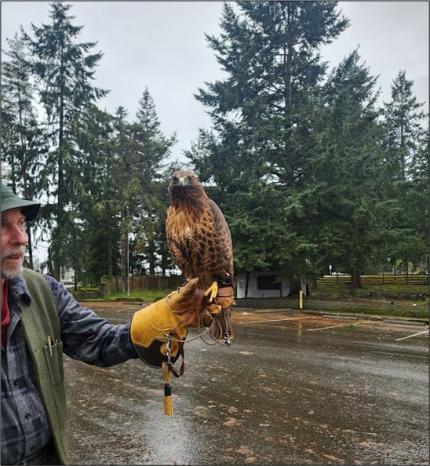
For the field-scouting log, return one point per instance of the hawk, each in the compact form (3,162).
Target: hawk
(200,243)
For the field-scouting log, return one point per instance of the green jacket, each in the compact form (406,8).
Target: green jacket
(40,320)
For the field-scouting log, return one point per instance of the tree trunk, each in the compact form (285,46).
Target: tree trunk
(287,60)
(59,254)
(288,52)
(246,284)
(124,243)
(110,259)
(124,255)
(30,243)
(402,154)
(311,285)
(151,257)
(356,279)
(30,248)
(314,283)
(60,209)
(163,263)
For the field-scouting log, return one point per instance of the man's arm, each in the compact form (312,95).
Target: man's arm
(88,337)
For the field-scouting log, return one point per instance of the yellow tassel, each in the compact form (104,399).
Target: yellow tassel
(168,404)
(168,401)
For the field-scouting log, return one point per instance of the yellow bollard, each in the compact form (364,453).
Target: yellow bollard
(301,299)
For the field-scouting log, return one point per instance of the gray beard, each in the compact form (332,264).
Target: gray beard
(11,273)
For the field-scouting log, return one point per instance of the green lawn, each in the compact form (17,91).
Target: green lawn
(395,300)
(373,307)
(141,295)
(343,291)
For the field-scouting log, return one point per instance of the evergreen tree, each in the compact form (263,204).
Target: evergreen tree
(406,144)
(126,182)
(140,151)
(153,151)
(404,120)
(24,142)
(348,172)
(270,51)
(256,152)
(97,201)
(65,69)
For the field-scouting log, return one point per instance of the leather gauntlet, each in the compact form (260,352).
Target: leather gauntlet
(166,319)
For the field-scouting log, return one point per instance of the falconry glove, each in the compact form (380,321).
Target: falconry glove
(159,330)
(217,315)
(222,301)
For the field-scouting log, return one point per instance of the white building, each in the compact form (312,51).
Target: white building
(68,277)
(266,285)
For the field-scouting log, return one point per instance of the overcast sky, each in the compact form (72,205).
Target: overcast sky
(161,45)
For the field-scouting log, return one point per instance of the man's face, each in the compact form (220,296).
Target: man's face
(13,242)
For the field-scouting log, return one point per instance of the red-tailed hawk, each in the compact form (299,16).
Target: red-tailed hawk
(200,243)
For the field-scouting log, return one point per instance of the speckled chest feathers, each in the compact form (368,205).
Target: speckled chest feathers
(198,235)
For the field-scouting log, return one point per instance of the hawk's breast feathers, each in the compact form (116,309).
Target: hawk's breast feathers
(198,235)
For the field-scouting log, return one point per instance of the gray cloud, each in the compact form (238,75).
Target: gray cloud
(162,46)
(391,36)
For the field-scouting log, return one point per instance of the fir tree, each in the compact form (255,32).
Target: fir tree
(24,141)
(404,120)
(347,171)
(64,68)
(406,146)
(97,206)
(256,151)
(153,152)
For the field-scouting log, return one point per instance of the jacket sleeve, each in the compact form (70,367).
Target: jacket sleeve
(88,337)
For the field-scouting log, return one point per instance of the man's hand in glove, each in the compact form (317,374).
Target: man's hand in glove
(218,315)
(168,316)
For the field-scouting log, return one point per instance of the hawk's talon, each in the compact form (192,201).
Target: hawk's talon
(212,291)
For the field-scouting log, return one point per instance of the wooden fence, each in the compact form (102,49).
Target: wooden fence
(144,282)
(158,282)
(382,279)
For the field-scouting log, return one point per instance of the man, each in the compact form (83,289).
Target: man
(40,320)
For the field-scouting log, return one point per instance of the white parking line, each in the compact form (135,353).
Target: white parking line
(332,326)
(273,320)
(414,335)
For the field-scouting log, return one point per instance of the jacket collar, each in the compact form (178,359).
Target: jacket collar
(19,289)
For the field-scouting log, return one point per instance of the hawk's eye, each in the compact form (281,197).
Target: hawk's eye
(190,178)
(175,179)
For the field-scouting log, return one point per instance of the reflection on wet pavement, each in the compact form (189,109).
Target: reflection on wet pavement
(280,394)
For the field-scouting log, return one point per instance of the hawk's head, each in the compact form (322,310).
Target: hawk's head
(184,185)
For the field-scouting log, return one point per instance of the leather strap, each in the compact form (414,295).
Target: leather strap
(225,292)
(172,368)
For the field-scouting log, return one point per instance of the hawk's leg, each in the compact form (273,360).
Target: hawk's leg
(212,291)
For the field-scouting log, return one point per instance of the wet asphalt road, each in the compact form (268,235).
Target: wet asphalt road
(282,393)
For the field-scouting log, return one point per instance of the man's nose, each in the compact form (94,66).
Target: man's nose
(19,236)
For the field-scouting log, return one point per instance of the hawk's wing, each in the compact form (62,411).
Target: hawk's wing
(223,244)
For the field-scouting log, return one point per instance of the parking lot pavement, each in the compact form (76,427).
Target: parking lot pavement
(292,388)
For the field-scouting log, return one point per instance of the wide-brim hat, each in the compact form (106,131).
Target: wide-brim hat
(9,200)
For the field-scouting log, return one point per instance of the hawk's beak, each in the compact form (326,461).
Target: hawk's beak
(182,181)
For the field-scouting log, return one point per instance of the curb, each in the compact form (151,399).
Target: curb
(380,318)
(418,321)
